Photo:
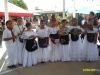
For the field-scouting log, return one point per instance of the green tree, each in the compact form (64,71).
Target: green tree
(19,3)
(68,17)
(59,19)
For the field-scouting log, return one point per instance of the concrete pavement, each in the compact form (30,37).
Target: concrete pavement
(56,68)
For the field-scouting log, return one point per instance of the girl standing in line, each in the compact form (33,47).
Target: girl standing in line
(54,41)
(75,41)
(90,51)
(43,42)
(64,42)
(18,31)
(30,47)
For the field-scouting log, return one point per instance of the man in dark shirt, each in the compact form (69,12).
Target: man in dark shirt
(1,33)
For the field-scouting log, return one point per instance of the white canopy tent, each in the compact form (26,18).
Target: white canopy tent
(9,9)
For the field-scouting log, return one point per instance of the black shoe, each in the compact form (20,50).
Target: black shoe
(88,61)
(20,64)
(10,67)
(42,62)
(13,66)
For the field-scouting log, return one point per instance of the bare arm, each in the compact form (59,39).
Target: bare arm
(7,39)
(10,38)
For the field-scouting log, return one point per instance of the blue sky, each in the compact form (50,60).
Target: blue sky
(57,4)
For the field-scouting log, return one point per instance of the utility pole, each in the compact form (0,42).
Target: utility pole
(63,9)
(6,10)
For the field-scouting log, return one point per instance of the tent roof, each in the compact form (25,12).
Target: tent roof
(14,10)
(85,10)
(96,7)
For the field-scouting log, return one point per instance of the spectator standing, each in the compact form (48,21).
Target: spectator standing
(1,33)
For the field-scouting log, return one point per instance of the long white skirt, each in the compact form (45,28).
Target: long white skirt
(64,52)
(76,49)
(20,47)
(30,58)
(12,55)
(54,52)
(90,51)
(43,54)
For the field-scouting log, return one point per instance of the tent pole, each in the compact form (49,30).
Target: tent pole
(6,10)
(63,9)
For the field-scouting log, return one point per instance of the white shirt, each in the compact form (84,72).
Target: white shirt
(7,34)
(42,32)
(94,30)
(83,21)
(71,27)
(18,29)
(26,34)
(24,22)
(53,30)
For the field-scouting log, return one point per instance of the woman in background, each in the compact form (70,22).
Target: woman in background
(14,22)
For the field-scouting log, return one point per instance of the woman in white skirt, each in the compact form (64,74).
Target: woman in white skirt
(18,30)
(30,47)
(90,51)
(43,42)
(75,41)
(64,42)
(54,41)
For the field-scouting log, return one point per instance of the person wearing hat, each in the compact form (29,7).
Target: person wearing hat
(43,42)
(75,41)
(30,47)
(54,41)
